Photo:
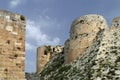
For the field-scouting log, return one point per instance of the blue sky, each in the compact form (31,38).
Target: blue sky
(48,21)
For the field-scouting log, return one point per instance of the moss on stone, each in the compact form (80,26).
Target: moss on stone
(53,65)
(118,59)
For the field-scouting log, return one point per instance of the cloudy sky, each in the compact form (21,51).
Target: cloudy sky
(48,21)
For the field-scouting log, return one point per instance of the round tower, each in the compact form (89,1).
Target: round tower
(82,33)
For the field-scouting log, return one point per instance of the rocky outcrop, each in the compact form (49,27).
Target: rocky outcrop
(100,59)
(12,46)
(32,76)
(55,63)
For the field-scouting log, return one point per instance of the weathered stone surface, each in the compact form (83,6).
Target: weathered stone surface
(99,61)
(55,63)
(45,54)
(83,31)
(12,46)
(32,76)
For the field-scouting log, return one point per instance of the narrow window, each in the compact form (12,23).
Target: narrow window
(18,48)
(16,55)
(22,18)
(8,42)
(45,52)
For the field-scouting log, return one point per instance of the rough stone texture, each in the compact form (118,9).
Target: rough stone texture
(55,63)
(45,54)
(12,46)
(83,32)
(32,76)
(99,61)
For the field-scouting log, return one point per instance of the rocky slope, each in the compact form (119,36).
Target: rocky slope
(99,61)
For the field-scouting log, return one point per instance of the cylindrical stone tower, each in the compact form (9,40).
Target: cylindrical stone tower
(83,31)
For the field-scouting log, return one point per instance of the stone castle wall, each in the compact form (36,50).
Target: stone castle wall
(45,54)
(83,31)
(100,57)
(12,46)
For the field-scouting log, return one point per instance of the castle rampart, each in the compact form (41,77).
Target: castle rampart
(45,54)
(83,31)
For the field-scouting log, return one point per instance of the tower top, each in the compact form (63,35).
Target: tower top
(12,17)
(87,24)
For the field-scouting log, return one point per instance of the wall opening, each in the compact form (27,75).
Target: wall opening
(45,52)
(18,48)
(16,55)
(82,21)
(22,18)
(116,24)
(8,42)
(20,38)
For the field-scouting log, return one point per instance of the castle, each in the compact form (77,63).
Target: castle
(91,52)
(45,54)
(12,46)
(83,31)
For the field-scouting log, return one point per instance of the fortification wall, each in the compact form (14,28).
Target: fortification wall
(99,61)
(83,31)
(12,46)
(45,54)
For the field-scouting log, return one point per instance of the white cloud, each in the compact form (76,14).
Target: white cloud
(35,37)
(29,46)
(14,3)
